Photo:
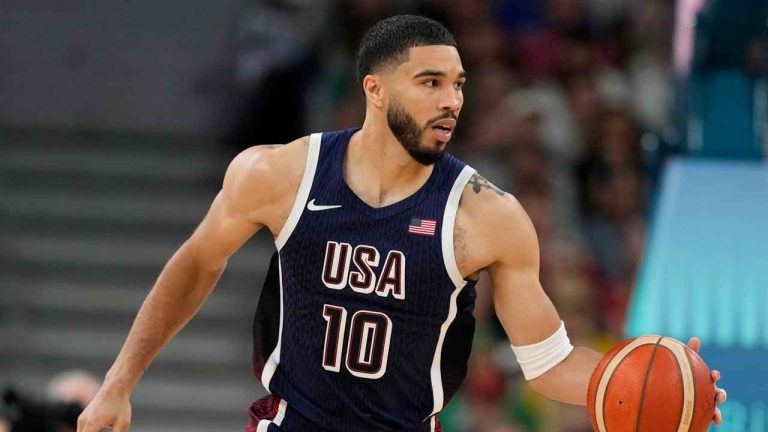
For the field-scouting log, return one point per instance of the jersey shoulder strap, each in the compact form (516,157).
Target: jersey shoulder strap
(313,155)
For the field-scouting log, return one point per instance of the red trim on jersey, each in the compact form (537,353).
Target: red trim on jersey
(266,409)
(262,409)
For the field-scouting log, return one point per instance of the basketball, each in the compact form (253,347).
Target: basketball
(651,384)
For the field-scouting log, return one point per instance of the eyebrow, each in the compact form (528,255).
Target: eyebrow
(434,72)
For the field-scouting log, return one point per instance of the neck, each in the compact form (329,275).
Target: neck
(377,167)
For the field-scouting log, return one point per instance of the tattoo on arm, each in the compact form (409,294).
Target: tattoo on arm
(479,183)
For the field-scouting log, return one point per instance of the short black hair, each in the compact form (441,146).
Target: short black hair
(388,41)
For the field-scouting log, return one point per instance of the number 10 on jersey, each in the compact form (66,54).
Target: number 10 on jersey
(367,346)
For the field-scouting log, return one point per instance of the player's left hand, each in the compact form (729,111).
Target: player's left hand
(721,395)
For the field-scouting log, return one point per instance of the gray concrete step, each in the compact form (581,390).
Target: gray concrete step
(101,141)
(99,251)
(51,225)
(114,162)
(70,340)
(34,272)
(60,300)
(111,184)
(188,210)
(87,221)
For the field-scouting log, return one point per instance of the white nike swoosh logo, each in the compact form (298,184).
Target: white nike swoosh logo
(314,207)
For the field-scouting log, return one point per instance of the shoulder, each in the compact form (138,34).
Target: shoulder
(266,162)
(494,225)
(263,177)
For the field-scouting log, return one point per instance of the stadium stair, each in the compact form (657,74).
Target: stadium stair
(89,219)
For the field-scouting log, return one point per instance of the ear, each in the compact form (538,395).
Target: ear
(373,86)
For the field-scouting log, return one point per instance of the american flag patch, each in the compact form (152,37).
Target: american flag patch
(425,227)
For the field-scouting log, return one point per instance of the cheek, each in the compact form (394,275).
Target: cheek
(421,115)
(460,97)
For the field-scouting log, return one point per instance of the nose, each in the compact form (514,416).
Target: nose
(451,100)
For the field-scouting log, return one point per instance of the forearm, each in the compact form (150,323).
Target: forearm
(178,294)
(568,381)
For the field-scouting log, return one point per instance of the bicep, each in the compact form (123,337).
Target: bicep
(222,232)
(522,305)
(237,211)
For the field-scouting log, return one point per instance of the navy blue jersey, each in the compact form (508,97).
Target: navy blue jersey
(365,323)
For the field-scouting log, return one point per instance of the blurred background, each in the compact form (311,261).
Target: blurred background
(632,131)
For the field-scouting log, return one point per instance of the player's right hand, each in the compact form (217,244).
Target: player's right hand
(107,410)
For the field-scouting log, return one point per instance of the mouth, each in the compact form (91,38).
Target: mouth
(443,129)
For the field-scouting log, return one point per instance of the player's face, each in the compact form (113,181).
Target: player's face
(425,101)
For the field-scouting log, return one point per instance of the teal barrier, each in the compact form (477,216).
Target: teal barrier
(723,115)
(705,274)
(745,376)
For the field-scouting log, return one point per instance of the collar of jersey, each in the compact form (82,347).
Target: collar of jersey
(379,212)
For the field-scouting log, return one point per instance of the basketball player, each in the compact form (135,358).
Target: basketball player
(365,322)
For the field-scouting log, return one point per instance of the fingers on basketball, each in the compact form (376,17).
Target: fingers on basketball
(652,383)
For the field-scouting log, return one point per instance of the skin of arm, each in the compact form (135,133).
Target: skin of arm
(258,190)
(494,233)
(252,195)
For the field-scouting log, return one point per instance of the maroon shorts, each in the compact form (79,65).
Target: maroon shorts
(262,409)
(268,409)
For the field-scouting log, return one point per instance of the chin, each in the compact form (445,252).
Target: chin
(440,145)
(432,142)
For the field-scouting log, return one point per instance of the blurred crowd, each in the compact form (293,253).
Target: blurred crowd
(67,394)
(561,99)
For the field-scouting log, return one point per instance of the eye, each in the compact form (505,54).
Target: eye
(431,83)
(459,84)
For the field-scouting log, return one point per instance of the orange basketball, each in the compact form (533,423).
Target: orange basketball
(651,384)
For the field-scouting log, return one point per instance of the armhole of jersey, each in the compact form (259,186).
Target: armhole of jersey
(449,219)
(449,259)
(313,153)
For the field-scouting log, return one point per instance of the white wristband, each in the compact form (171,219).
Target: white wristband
(536,359)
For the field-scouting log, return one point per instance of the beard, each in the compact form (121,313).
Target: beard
(408,133)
